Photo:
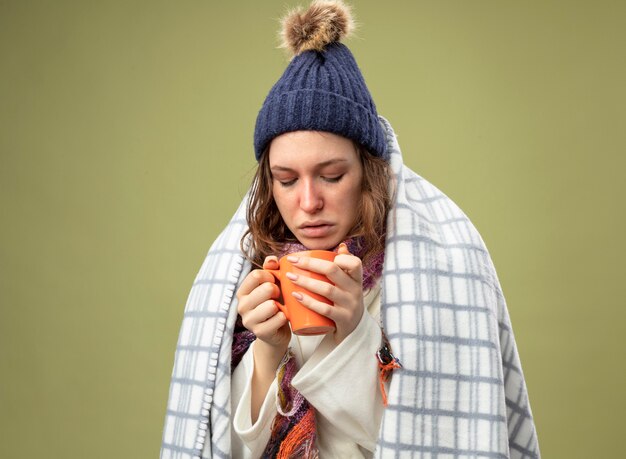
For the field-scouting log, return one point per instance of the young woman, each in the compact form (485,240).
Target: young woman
(324,192)
(422,361)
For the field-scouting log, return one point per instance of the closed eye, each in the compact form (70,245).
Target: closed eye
(287,183)
(334,179)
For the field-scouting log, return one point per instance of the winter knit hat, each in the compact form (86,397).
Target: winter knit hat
(322,88)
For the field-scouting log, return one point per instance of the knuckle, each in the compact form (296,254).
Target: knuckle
(270,305)
(268,287)
(350,261)
(328,289)
(242,304)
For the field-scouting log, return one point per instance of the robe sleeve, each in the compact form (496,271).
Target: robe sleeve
(254,437)
(342,383)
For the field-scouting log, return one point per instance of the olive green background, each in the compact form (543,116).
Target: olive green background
(125,146)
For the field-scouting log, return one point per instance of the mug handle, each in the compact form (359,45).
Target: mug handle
(276,274)
(283,309)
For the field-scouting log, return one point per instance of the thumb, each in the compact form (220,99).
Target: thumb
(271,262)
(343,249)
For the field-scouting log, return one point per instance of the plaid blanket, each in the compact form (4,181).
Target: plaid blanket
(461,392)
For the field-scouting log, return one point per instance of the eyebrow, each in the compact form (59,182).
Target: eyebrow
(318,166)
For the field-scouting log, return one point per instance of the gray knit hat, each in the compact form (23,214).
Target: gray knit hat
(322,88)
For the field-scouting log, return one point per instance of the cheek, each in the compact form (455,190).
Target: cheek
(356,192)
(282,202)
(351,204)
(277,195)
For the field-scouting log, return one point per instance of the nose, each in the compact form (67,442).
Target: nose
(310,198)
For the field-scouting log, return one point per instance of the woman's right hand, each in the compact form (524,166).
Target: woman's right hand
(258,309)
(262,317)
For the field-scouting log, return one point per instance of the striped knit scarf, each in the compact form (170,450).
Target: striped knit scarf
(293,430)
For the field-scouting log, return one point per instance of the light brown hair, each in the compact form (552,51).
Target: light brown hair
(267,233)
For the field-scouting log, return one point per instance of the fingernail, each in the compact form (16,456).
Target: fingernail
(292,259)
(291,276)
(297,295)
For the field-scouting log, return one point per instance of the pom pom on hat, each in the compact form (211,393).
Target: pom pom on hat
(324,22)
(322,88)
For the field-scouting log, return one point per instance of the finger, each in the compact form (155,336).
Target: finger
(320,307)
(323,288)
(271,326)
(332,270)
(316,265)
(260,314)
(351,265)
(253,280)
(262,293)
(271,262)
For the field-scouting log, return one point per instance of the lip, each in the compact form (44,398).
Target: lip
(316,228)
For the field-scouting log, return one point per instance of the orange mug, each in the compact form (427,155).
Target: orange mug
(303,321)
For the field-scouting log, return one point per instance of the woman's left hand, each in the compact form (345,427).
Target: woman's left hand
(346,272)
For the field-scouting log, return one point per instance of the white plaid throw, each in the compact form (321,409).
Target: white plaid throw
(461,392)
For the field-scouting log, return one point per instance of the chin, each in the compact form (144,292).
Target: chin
(320,244)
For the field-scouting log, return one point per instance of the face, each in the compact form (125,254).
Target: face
(316,183)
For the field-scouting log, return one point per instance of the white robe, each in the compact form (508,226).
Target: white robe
(340,382)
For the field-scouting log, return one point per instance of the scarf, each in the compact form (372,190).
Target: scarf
(461,391)
(293,430)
